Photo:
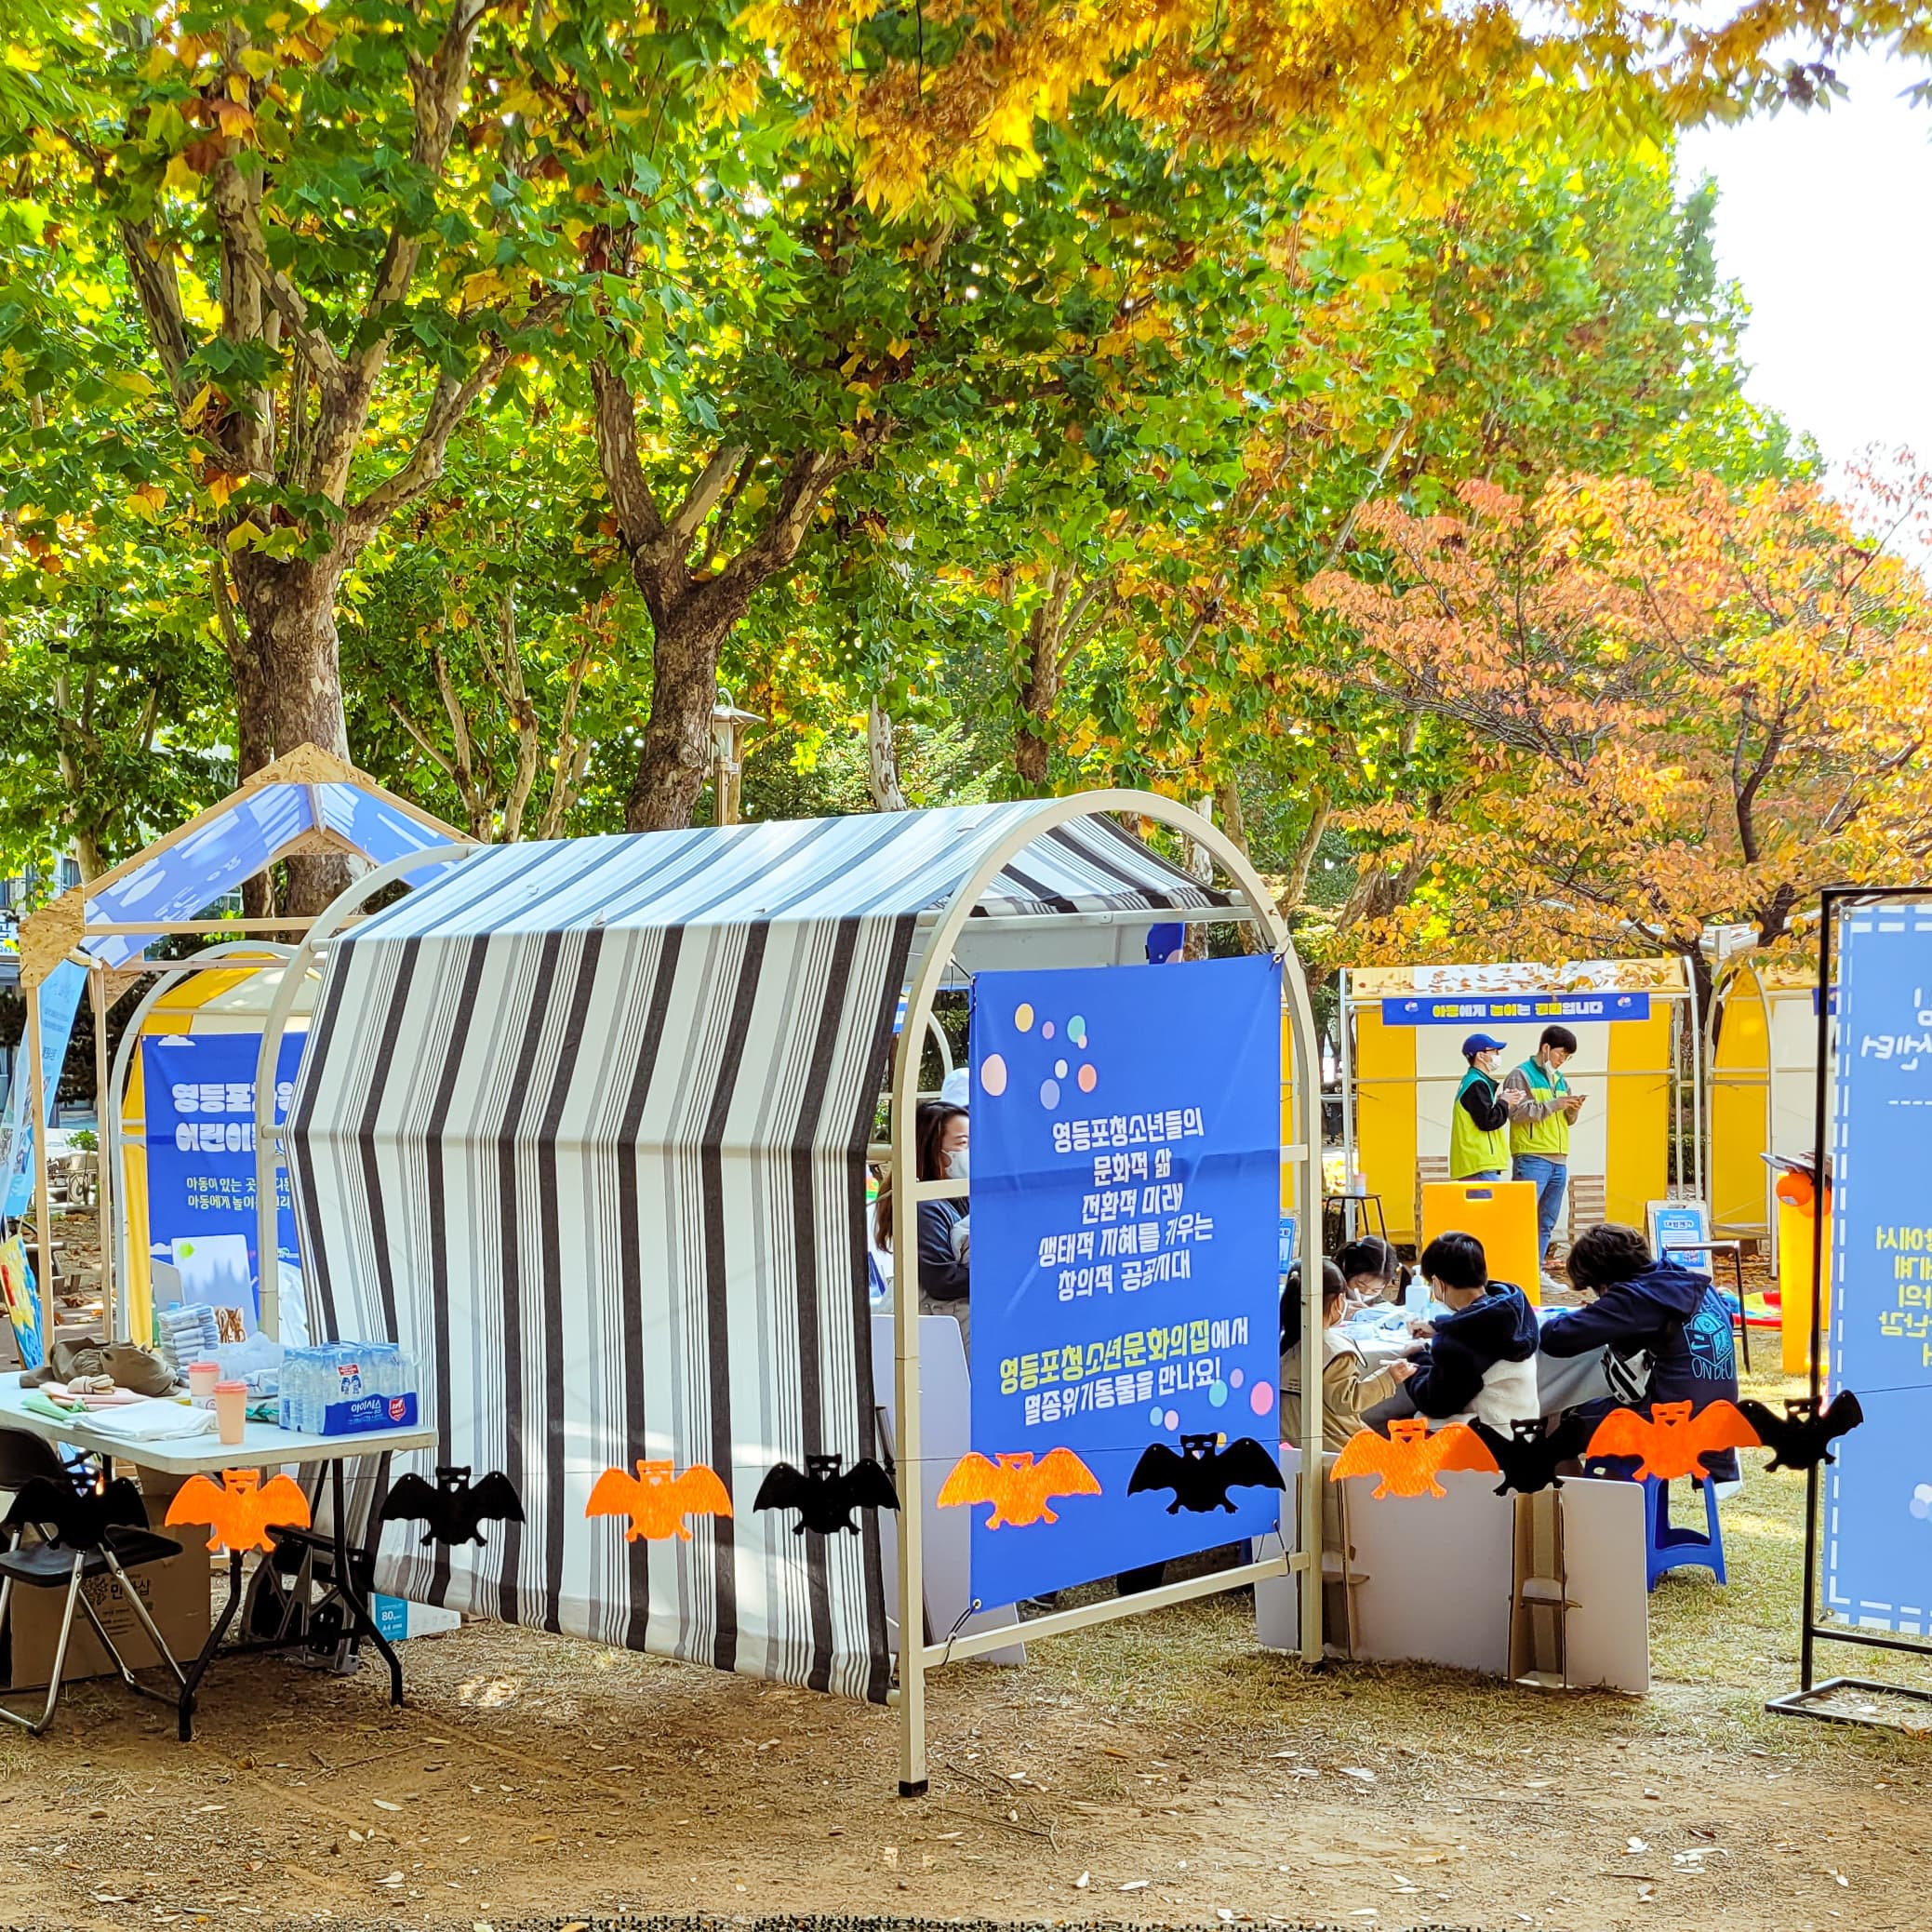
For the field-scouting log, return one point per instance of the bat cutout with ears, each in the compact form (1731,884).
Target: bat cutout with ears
(1670,1441)
(657,1500)
(1529,1456)
(81,1514)
(1015,1486)
(1802,1437)
(244,1510)
(1409,1459)
(1203,1472)
(456,1508)
(823,1498)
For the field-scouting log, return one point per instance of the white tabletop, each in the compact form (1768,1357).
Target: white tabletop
(261,1442)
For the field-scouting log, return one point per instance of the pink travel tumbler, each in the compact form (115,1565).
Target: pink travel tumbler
(231,1411)
(202,1378)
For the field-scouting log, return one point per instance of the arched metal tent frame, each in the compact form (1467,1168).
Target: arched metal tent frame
(1771,1077)
(916,1656)
(305,959)
(257,955)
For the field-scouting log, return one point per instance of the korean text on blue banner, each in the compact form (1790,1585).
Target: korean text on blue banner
(1878,1510)
(1127,1182)
(200,1096)
(1447,1009)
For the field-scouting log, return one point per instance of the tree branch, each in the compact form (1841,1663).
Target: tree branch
(702,495)
(639,521)
(438,89)
(240,223)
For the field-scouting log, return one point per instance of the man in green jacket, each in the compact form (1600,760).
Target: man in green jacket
(1539,1130)
(1479,1129)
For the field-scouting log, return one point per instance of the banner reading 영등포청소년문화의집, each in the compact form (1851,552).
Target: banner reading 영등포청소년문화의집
(1878,1496)
(199,1093)
(1126,1149)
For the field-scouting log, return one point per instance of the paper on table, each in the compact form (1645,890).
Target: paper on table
(153,1421)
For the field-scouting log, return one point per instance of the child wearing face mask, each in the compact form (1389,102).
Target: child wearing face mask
(939,1134)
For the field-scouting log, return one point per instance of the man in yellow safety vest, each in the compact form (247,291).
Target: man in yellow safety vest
(1539,1130)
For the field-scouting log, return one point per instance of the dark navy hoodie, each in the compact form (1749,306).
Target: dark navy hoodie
(1481,1362)
(1673,1312)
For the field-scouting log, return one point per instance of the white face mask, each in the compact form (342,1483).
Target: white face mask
(957,1164)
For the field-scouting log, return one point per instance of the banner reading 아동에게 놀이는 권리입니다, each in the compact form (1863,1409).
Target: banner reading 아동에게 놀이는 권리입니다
(1125,1214)
(1878,1496)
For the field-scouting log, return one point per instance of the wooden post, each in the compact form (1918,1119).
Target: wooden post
(42,1205)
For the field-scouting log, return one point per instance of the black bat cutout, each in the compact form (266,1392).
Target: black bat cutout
(1201,1473)
(823,1498)
(1802,1437)
(81,1515)
(1529,1455)
(456,1507)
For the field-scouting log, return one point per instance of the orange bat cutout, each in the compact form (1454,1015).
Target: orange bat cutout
(241,1510)
(1015,1486)
(1409,1457)
(1671,1440)
(657,1502)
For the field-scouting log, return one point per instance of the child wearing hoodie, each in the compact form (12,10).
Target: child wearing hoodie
(1480,1360)
(1639,1305)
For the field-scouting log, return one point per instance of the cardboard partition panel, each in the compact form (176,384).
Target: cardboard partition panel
(945,1435)
(1438,1579)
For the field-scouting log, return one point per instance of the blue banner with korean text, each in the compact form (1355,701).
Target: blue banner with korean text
(1125,1131)
(1878,1507)
(199,1091)
(1451,1009)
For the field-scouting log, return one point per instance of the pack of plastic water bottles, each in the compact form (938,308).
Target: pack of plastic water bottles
(342,1387)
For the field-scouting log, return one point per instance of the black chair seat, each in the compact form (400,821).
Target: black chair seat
(50,1565)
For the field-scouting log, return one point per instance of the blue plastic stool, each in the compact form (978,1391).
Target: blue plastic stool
(1669,1546)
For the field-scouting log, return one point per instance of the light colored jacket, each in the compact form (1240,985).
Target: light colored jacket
(1346,1390)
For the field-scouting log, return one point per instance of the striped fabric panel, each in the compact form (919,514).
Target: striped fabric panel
(608,1183)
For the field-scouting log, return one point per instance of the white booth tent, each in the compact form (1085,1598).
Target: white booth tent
(585,1126)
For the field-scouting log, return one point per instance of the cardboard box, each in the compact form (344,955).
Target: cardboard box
(176,1592)
(398,1619)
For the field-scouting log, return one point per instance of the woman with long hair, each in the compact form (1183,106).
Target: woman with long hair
(940,1137)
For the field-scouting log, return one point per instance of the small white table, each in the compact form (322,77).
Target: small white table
(263,1445)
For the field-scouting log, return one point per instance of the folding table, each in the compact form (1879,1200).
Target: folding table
(263,1446)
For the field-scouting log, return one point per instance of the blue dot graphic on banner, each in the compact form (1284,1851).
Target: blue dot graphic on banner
(1126,1205)
(1878,1538)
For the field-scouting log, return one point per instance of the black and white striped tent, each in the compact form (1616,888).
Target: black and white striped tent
(584,1125)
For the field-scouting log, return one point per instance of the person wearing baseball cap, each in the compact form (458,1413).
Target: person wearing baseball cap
(1479,1129)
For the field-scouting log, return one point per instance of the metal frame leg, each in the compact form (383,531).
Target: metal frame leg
(191,1679)
(346,1586)
(33,1727)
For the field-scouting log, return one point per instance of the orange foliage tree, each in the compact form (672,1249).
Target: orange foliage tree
(1644,710)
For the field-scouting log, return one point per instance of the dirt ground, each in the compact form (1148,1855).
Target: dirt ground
(1164,1770)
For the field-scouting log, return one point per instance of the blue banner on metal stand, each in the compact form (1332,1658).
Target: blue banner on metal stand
(1878,1510)
(199,1091)
(1126,1205)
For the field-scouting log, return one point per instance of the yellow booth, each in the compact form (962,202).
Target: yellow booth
(1637,1061)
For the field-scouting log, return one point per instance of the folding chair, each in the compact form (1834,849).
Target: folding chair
(50,1565)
